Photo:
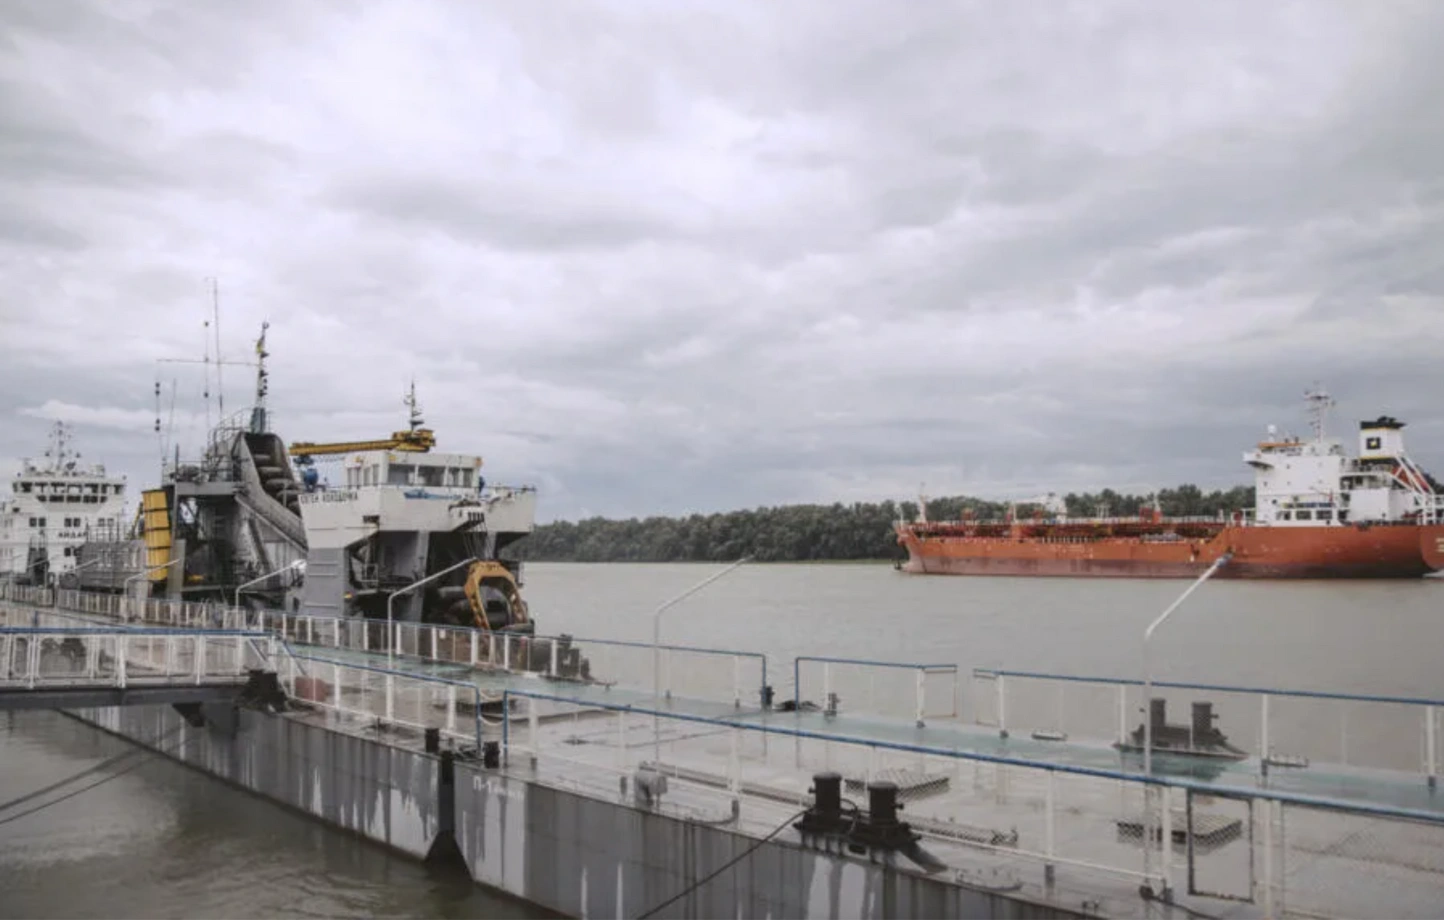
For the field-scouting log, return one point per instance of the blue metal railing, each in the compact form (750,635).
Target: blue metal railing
(863,662)
(408,675)
(1214,688)
(135,631)
(575,641)
(1159,780)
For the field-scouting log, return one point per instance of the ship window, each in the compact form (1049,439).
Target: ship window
(69,551)
(25,487)
(432,475)
(463,478)
(1304,515)
(399,474)
(1286,515)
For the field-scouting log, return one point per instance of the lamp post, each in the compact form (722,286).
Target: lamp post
(391,639)
(125,585)
(1148,721)
(1147,667)
(657,647)
(298,564)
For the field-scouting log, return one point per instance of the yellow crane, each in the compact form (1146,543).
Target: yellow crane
(417,440)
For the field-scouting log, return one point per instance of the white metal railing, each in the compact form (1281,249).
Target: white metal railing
(1204,843)
(415,701)
(891,688)
(722,675)
(51,657)
(1277,728)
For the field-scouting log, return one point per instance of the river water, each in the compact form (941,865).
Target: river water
(166,841)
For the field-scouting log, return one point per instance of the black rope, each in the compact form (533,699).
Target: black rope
(109,762)
(745,853)
(104,764)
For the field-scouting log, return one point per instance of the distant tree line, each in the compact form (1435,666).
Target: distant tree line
(799,533)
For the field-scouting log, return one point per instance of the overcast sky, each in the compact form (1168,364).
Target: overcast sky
(659,257)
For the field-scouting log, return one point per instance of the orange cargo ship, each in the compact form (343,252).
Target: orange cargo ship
(1318,514)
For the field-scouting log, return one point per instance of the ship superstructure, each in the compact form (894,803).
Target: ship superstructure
(54,505)
(1318,513)
(1303,483)
(400,511)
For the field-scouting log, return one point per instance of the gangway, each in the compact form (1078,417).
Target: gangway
(46,667)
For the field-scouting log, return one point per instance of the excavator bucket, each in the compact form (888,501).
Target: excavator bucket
(494,596)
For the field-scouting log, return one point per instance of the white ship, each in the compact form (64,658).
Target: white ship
(54,506)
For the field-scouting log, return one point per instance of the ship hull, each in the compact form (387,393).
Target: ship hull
(1379,551)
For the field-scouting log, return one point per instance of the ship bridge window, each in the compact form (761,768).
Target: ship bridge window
(399,474)
(1305,515)
(432,475)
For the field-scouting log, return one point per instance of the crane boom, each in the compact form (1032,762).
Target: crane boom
(418,440)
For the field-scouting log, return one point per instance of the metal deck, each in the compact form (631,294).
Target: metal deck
(1064,821)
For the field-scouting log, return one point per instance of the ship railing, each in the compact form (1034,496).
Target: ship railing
(897,689)
(731,675)
(39,649)
(1278,731)
(364,693)
(1061,832)
(492,492)
(12,590)
(1026,520)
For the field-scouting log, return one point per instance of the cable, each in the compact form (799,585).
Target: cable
(109,762)
(698,884)
(70,779)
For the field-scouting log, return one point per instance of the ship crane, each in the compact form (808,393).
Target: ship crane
(415,439)
(418,441)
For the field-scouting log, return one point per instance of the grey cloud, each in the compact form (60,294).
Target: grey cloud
(496,215)
(660,259)
(29,231)
(39,144)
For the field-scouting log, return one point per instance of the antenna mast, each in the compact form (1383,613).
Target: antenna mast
(258,413)
(159,438)
(206,360)
(1319,404)
(216,315)
(409,400)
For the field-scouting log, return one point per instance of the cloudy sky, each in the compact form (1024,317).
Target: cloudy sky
(660,256)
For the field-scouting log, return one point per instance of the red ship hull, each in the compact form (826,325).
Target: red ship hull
(1338,551)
